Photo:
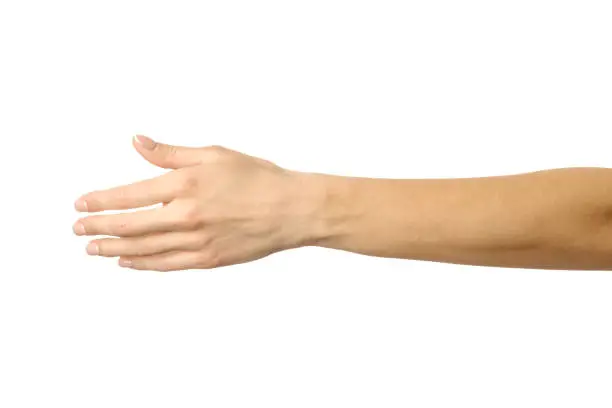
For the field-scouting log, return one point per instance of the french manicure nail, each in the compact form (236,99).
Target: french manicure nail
(79,228)
(145,142)
(93,249)
(81,205)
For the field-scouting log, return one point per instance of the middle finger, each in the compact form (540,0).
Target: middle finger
(136,223)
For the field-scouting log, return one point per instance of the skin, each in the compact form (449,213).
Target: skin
(219,207)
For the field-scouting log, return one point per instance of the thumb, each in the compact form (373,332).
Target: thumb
(166,156)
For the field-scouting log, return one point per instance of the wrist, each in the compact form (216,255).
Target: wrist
(325,208)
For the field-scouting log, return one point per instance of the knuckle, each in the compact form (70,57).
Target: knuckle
(204,240)
(217,149)
(189,215)
(209,259)
(105,199)
(197,242)
(119,195)
(210,214)
(267,163)
(170,150)
(187,184)
(189,223)
(138,248)
(119,229)
(216,153)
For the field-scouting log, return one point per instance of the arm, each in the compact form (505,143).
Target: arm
(555,219)
(222,207)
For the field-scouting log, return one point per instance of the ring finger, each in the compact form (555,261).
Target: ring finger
(148,244)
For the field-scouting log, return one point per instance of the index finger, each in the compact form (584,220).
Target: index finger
(157,190)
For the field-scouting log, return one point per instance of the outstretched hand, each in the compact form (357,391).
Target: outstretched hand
(221,207)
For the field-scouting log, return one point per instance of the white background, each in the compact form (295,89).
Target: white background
(402,89)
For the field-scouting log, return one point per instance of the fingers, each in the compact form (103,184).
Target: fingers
(148,245)
(166,156)
(163,219)
(141,194)
(171,261)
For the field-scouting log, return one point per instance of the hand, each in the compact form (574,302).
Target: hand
(220,207)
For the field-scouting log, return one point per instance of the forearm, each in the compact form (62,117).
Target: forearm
(557,219)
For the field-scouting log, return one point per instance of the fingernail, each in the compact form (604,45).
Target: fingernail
(81,205)
(126,263)
(93,249)
(79,228)
(145,142)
